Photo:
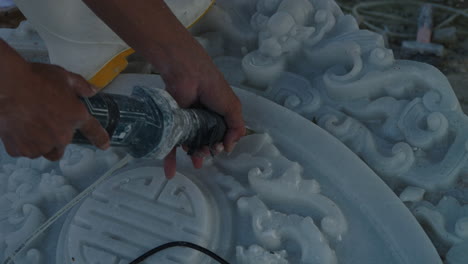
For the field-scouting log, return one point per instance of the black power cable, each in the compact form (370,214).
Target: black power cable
(179,244)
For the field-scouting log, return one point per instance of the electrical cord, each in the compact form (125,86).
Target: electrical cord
(179,244)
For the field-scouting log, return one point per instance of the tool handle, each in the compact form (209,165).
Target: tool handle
(109,120)
(207,128)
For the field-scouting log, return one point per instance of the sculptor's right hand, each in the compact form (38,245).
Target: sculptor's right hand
(40,108)
(190,75)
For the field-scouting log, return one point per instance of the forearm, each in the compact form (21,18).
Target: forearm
(12,67)
(11,62)
(147,26)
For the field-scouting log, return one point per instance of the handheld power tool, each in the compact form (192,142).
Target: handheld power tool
(148,123)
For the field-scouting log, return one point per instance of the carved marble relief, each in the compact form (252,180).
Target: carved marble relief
(261,217)
(401,117)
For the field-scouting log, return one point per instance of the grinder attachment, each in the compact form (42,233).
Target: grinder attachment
(149,123)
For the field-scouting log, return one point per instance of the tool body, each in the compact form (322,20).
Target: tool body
(148,123)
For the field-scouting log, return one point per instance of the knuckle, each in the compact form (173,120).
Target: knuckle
(47,68)
(80,85)
(53,157)
(64,138)
(82,113)
(34,150)
(89,127)
(76,78)
(101,138)
(12,152)
(9,147)
(34,155)
(24,152)
(75,81)
(57,68)
(43,149)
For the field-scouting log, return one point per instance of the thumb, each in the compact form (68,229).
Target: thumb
(82,87)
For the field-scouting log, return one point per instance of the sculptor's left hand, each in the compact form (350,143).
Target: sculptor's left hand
(189,73)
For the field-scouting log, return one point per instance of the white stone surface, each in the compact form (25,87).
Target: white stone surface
(256,254)
(458,254)
(136,210)
(412,194)
(27,42)
(447,221)
(273,230)
(312,215)
(401,117)
(30,192)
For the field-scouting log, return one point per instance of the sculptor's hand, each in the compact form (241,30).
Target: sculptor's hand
(191,77)
(40,108)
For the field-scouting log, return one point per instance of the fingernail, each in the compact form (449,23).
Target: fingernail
(105,146)
(231,147)
(219,148)
(94,88)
